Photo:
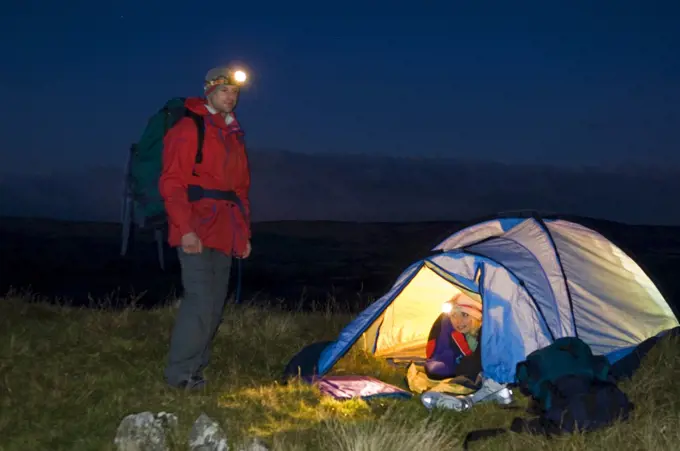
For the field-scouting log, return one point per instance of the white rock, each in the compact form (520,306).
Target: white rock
(207,435)
(144,432)
(169,420)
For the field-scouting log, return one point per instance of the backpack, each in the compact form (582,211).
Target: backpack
(538,375)
(571,389)
(142,202)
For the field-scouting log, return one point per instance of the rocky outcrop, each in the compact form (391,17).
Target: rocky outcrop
(146,431)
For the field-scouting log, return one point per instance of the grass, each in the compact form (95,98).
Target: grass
(68,376)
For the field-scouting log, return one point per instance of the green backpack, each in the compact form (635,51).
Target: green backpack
(142,202)
(567,356)
(571,390)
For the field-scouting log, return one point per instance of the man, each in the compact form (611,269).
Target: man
(209,219)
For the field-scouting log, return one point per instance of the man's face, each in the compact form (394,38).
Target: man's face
(224,98)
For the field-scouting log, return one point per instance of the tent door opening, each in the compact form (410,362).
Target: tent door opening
(402,332)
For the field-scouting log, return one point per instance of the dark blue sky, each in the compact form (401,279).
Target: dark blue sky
(572,82)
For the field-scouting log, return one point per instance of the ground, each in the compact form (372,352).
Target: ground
(69,375)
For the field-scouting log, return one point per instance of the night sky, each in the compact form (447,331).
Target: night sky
(573,82)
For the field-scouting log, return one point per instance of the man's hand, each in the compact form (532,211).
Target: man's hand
(249,249)
(191,243)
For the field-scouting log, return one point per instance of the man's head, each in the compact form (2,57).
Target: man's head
(222,87)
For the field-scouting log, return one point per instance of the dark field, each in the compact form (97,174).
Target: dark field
(297,263)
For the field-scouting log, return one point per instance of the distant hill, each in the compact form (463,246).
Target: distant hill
(294,186)
(291,260)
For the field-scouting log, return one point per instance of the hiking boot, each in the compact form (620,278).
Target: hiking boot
(490,391)
(195,383)
(439,400)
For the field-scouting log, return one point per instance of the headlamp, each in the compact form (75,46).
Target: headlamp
(237,77)
(240,76)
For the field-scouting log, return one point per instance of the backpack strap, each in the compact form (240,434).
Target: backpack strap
(480,434)
(520,425)
(200,127)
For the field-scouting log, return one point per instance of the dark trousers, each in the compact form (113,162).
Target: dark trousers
(205,278)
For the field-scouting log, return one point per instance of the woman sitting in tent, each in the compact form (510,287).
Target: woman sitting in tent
(453,344)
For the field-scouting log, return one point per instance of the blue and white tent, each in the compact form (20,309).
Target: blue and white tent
(538,280)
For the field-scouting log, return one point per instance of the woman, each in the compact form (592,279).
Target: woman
(453,344)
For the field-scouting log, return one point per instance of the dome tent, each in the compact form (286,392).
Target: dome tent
(539,279)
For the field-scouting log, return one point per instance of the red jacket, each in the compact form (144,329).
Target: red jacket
(219,224)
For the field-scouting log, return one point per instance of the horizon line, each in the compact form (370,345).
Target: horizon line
(465,222)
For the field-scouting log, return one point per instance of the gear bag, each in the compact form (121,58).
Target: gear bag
(571,390)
